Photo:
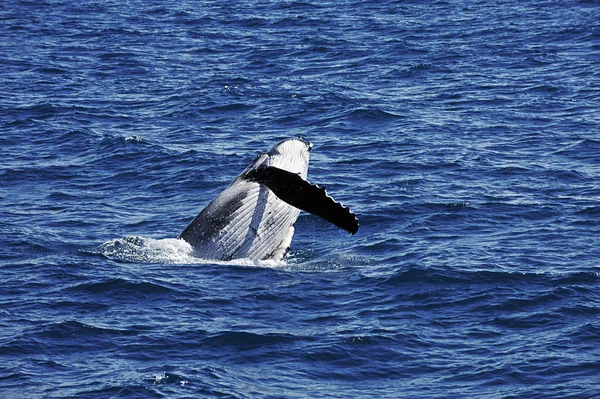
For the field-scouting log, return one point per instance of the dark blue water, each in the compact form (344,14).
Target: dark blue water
(465,135)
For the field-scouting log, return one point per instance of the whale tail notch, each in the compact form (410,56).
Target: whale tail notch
(294,190)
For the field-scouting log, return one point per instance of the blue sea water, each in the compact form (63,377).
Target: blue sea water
(464,134)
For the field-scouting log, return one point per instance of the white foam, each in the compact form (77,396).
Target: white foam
(141,249)
(165,250)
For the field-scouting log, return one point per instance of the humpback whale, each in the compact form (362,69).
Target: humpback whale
(254,217)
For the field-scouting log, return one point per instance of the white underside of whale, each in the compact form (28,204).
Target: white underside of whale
(247,220)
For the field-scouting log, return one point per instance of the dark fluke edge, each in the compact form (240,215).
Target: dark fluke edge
(254,217)
(300,193)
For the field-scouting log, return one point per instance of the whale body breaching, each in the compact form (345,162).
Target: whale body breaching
(254,217)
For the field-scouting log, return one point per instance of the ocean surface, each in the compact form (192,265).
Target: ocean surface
(464,134)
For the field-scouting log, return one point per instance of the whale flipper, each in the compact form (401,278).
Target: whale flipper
(253,218)
(298,192)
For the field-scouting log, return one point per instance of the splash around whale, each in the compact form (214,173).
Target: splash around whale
(254,217)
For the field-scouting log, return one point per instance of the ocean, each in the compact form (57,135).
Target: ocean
(465,135)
